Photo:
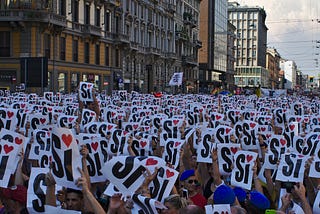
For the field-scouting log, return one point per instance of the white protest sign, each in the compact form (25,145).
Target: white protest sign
(170,129)
(65,158)
(218,209)
(11,143)
(206,145)
(145,205)
(316,204)
(125,172)
(36,194)
(95,158)
(226,153)
(86,92)
(242,173)
(88,116)
(291,167)
(277,146)
(314,171)
(8,118)
(41,148)
(162,185)
(140,146)
(171,152)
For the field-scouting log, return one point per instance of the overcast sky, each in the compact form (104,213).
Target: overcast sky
(292,31)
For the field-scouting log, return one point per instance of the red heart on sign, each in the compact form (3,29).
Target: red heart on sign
(42,120)
(71,119)
(175,122)
(143,143)
(292,126)
(112,114)
(252,114)
(151,161)
(48,133)
(299,119)
(67,139)
(89,85)
(18,140)
(135,126)
(263,129)
(94,146)
(110,127)
(10,114)
(249,158)
(169,173)
(283,142)
(234,150)
(200,110)
(92,114)
(268,136)
(218,117)
(23,105)
(300,156)
(7,148)
(177,144)
(252,125)
(228,130)
(49,109)
(237,112)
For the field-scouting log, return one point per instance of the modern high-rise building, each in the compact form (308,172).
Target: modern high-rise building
(250,45)
(115,44)
(214,37)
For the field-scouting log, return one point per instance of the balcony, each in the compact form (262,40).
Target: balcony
(77,27)
(33,15)
(91,30)
(134,46)
(154,51)
(121,38)
(189,20)
(171,55)
(189,61)
(181,35)
(171,8)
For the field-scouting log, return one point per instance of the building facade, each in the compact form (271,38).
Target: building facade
(127,44)
(250,45)
(273,66)
(214,51)
(289,68)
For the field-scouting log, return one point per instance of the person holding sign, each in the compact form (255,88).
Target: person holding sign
(87,99)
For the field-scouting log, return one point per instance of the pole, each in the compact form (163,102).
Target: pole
(42,75)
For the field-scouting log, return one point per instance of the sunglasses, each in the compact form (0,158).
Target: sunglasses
(193,181)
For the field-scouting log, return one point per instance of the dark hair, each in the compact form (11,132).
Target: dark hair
(70,190)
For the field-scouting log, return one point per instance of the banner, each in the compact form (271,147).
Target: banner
(176,79)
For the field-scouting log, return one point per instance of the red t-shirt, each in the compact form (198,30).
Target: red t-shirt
(199,200)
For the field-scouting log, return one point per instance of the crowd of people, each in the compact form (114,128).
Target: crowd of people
(200,184)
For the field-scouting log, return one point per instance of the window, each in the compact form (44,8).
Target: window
(62,8)
(107,21)
(75,50)
(75,11)
(5,42)
(47,45)
(86,52)
(97,17)
(97,54)
(62,48)
(107,62)
(87,14)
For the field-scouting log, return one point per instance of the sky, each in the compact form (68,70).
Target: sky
(294,29)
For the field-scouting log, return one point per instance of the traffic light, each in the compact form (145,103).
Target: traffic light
(311,79)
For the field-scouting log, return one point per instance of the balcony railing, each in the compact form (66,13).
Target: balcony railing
(171,8)
(92,30)
(171,55)
(189,60)
(154,51)
(121,38)
(33,15)
(180,35)
(134,46)
(197,43)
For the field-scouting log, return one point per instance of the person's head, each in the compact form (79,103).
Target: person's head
(14,198)
(190,182)
(191,209)
(74,199)
(90,105)
(238,210)
(224,195)
(174,203)
(257,202)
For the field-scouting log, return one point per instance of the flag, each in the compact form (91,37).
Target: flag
(176,79)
